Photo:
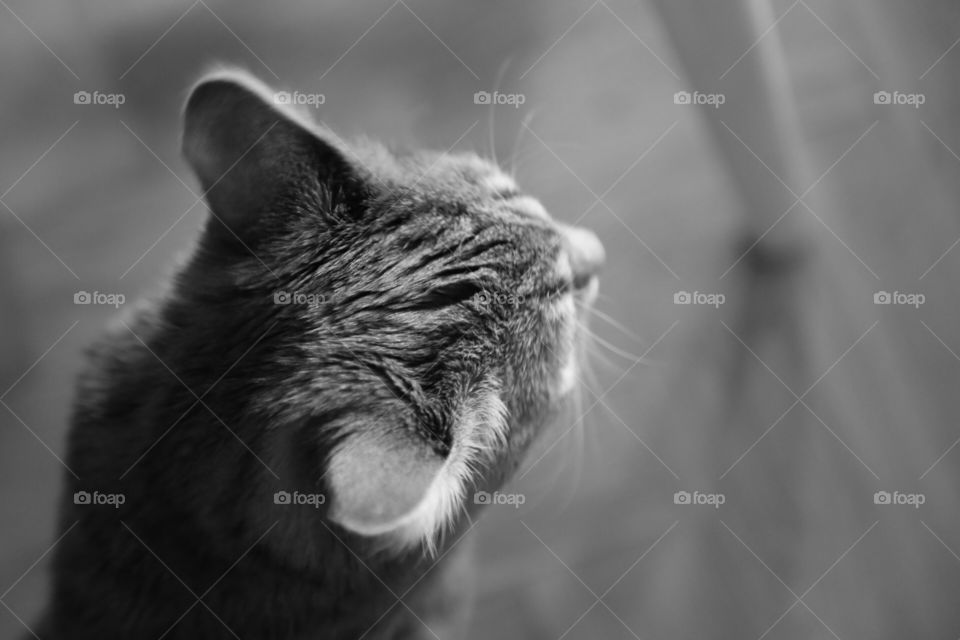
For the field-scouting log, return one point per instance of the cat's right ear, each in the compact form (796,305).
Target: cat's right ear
(254,157)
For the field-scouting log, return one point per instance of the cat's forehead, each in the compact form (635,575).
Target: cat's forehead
(479,172)
(462,178)
(463,172)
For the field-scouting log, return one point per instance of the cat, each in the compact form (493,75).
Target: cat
(287,440)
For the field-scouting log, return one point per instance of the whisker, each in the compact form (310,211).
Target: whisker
(492,112)
(576,476)
(595,389)
(610,346)
(610,320)
(524,124)
(590,383)
(603,359)
(532,153)
(587,345)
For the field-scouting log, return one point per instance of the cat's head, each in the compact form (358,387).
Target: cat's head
(420,312)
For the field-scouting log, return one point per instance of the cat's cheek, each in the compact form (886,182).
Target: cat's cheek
(567,378)
(562,325)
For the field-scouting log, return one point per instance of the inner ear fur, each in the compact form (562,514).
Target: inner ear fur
(379,478)
(253,156)
(391,483)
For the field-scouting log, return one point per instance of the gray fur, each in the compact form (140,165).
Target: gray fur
(420,284)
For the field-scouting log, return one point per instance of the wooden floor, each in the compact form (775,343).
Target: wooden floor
(599,549)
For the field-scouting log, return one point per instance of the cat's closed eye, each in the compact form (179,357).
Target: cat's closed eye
(446,295)
(379,339)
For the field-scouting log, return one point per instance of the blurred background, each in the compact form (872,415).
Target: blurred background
(766,445)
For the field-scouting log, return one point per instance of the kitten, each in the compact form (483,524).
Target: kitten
(289,438)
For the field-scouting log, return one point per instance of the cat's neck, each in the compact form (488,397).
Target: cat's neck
(201,541)
(169,578)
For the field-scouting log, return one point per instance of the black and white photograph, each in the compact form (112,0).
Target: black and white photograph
(470,320)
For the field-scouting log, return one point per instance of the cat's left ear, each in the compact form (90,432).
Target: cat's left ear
(253,156)
(389,484)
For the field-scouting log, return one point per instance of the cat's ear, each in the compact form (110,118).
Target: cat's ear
(252,155)
(391,485)
(387,484)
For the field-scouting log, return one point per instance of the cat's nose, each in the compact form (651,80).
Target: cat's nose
(585,252)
